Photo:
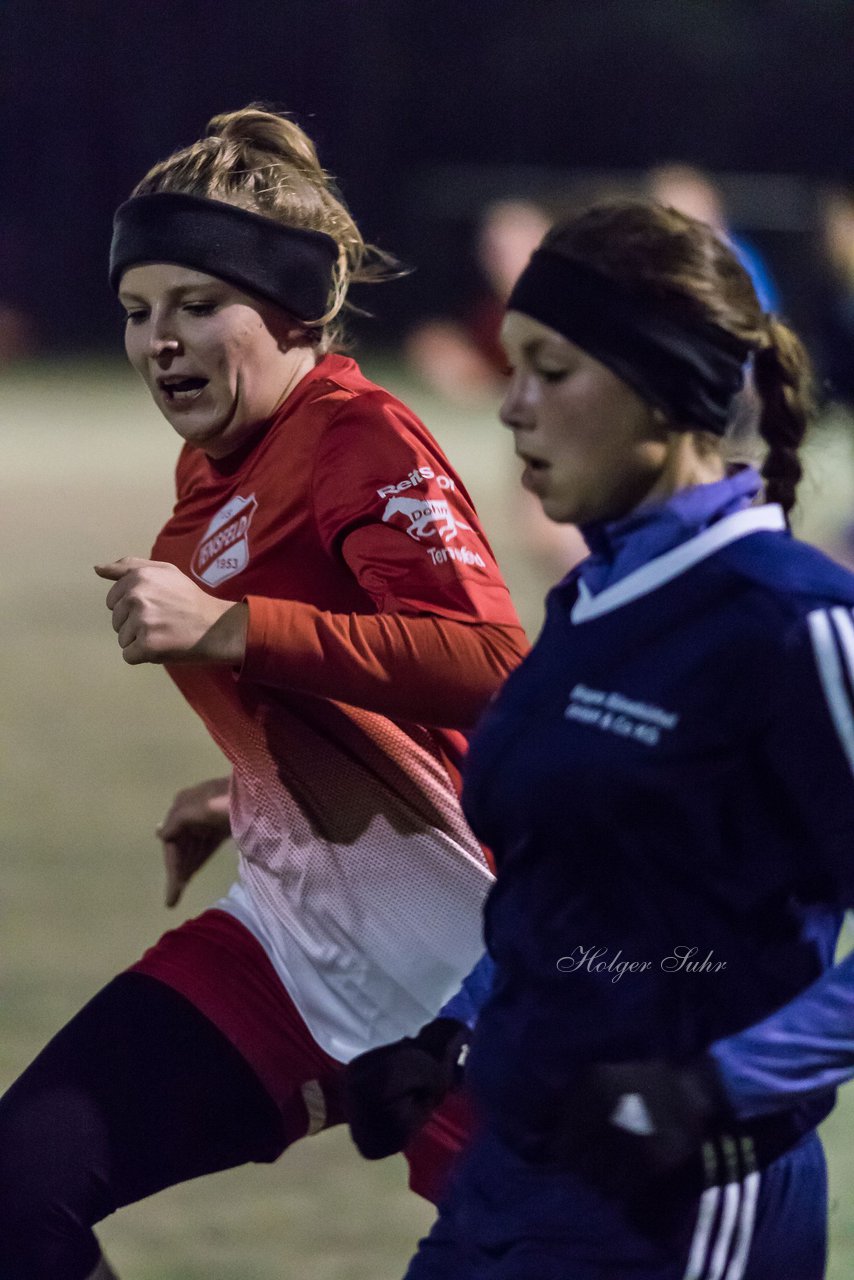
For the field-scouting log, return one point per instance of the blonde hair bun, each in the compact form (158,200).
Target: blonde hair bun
(261,160)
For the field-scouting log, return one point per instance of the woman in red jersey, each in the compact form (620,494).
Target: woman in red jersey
(324,598)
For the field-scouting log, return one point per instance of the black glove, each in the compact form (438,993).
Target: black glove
(390,1092)
(629,1123)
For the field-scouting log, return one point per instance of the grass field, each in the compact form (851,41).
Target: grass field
(92,752)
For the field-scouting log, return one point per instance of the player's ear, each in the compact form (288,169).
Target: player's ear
(285,328)
(295,336)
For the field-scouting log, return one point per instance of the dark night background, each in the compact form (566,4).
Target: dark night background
(420,107)
(425,110)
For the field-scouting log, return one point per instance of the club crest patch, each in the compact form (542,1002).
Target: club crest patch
(224,547)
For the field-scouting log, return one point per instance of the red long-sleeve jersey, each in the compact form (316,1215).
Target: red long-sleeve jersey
(379,627)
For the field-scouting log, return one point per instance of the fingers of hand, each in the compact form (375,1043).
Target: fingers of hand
(135,578)
(123,574)
(120,588)
(116,569)
(179,859)
(123,599)
(183,855)
(121,612)
(136,625)
(387,1099)
(202,809)
(183,819)
(135,642)
(136,655)
(170,827)
(113,571)
(395,1076)
(175,881)
(129,629)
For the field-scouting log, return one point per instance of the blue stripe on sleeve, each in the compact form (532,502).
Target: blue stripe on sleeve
(803,1049)
(473,994)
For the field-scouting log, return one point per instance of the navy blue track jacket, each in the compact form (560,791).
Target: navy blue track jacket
(667,783)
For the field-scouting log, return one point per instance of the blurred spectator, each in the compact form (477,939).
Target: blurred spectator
(694,192)
(17,331)
(835,324)
(17,337)
(464,361)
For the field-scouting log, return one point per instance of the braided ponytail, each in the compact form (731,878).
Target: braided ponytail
(660,253)
(784,380)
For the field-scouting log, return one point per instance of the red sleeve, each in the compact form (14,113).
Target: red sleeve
(429,670)
(445,634)
(387,500)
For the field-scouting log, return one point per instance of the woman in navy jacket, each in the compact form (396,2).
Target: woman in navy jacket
(666,783)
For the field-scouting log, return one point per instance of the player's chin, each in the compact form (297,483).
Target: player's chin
(561,511)
(187,421)
(206,430)
(576,504)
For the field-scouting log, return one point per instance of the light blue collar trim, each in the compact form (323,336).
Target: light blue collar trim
(642,581)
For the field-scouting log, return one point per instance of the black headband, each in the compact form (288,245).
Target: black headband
(690,369)
(288,265)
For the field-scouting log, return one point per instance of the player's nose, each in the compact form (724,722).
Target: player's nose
(517,407)
(162,344)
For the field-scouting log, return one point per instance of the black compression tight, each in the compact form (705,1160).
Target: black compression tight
(138,1092)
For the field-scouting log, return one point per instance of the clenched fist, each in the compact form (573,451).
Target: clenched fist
(193,829)
(160,615)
